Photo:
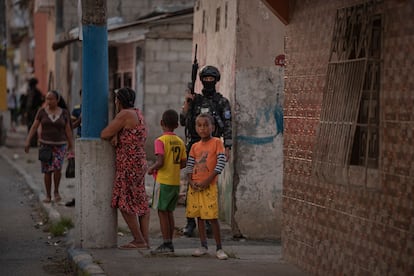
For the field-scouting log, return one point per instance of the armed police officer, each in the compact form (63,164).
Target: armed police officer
(212,102)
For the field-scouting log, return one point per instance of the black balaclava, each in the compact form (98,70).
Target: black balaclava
(209,88)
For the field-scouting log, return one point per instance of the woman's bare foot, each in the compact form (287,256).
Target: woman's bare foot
(134,245)
(57,197)
(47,200)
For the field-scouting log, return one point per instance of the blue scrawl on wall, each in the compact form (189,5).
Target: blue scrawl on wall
(274,112)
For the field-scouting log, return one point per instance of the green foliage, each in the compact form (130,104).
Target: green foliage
(61,227)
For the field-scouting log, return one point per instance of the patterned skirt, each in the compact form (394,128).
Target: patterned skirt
(56,163)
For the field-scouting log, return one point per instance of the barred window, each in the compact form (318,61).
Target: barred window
(348,141)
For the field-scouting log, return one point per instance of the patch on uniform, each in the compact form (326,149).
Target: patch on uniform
(204,110)
(227,114)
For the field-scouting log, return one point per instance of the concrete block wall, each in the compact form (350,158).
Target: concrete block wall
(167,72)
(332,229)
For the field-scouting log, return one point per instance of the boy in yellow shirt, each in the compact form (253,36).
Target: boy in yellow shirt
(171,157)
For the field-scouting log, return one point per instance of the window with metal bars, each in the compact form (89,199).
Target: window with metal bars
(349,122)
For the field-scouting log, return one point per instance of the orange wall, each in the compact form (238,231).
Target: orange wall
(40,51)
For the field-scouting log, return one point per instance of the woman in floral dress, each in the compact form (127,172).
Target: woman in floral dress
(127,133)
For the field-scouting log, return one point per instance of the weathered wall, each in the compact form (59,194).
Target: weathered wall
(259,117)
(217,47)
(332,229)
(242,38)
(259,160)
(41,64)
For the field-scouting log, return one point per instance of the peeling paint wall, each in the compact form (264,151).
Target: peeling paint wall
(259,162)
(216,40)
(259,116)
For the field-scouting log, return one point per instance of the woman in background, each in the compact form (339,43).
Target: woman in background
(56,134)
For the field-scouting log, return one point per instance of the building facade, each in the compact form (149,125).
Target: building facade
(153,56)
(348,169)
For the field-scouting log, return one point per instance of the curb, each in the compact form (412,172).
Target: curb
(83,264)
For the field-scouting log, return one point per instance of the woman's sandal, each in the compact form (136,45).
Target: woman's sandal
(133,246)
(57,198)
(47,200)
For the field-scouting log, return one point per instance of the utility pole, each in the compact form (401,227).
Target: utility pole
(96,225)
(94,68)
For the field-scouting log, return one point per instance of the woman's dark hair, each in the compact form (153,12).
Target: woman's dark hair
(126,96)
(60,100)
(170,119)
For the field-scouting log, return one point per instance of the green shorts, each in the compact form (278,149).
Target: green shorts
(165,197)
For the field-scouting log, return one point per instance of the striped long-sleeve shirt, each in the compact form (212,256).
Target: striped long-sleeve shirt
(206,157)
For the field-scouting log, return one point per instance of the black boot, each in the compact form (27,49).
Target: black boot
(189,228)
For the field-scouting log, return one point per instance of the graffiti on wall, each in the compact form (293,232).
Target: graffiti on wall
(265,113)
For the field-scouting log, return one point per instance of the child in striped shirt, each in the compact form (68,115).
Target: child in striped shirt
(205,162)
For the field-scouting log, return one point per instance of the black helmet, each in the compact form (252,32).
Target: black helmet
(33,82)
(209,70)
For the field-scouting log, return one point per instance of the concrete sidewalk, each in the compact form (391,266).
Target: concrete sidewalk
(247,257)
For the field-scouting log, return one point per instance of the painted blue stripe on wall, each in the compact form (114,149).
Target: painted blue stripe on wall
(94,80)
(278,117)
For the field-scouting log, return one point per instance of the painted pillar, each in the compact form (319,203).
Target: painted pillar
(96,221)
(94,68)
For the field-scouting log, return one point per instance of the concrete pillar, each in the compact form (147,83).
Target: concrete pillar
(96,221)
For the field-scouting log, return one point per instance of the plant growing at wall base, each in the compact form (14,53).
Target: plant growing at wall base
(61,227)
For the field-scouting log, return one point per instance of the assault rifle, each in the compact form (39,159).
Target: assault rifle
(194,70)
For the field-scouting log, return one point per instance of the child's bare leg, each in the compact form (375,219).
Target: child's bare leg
(164,225)
(171,224)
(202,231)
(215,226)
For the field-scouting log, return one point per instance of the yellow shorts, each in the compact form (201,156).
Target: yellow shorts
(203,204)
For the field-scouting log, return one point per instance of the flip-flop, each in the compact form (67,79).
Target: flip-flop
(47,200)
(133,246)
(57,198)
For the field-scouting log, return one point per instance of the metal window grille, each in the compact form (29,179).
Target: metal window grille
(348,129)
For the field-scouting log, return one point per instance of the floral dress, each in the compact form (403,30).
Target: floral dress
(128,193)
